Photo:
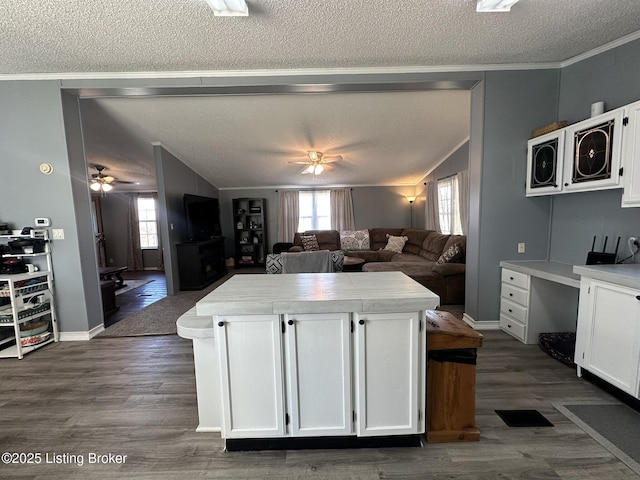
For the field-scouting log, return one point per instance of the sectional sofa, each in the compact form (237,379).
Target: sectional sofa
(435,260)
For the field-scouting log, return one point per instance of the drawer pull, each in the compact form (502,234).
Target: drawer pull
(510,311)
(361,322)
(510,278)
(290,322)
(509,325)
(637,297)
(221,324)
(511,294)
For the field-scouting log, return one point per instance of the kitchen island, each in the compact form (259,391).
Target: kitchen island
(311,355)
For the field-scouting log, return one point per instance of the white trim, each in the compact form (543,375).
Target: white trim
(490,325)
(596,51)
(208,429)
(81,336)
(274,73)
(446,157)
(319,187)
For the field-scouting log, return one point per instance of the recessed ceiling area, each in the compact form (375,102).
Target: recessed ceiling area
(235,141)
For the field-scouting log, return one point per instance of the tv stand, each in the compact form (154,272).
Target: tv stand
(201,263)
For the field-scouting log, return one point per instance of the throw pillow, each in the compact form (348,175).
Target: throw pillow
(451,254)
(354,239)
(395,244)
(309,243)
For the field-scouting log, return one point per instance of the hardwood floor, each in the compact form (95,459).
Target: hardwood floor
(136,397)
(134,300)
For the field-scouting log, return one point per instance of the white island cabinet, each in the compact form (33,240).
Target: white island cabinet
(311,355)
(608,333)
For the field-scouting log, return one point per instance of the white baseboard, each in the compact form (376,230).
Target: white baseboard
(81,336)
(480,325)
(208,429)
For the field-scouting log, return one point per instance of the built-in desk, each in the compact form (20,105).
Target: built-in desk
(538,296)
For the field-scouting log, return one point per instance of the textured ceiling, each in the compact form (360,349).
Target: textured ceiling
(183,35)
(386,138)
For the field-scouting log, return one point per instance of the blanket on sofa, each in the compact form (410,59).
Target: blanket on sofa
(307,262)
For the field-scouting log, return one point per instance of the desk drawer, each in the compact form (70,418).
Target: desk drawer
(513,310)
(510,325)
(515,294)
(516,279)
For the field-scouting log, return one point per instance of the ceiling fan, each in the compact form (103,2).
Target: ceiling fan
(103,183)
(318,162)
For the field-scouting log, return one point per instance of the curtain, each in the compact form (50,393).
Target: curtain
(342,217)
(134,251)
(288,215)
(431,214)
(160,257)
(463,200)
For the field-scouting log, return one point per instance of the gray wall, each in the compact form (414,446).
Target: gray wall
(613,77)
(515,103)
(32,131)
(174,180)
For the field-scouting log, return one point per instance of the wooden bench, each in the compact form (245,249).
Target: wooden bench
(451,379)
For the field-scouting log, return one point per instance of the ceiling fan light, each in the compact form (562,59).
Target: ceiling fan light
(95,187)
(495,5)
(229,8)
(106,187)
(309,169)
(318,169)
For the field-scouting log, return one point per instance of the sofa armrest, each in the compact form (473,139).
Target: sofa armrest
(447,269)
(296,248)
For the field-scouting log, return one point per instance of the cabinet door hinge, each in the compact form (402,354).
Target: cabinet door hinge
(625,121)
(419,415)
(283,326)
(621,171)
(286,419)
(583,355)
(588,290)
(353,415)
(351,326)
(420,325)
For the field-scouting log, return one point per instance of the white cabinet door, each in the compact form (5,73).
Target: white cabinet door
(318,374)
(544,164)
(390,373)
(592,153)
(608,334)
(631,156)
(250,350)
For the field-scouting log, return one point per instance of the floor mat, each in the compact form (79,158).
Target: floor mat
(523,418)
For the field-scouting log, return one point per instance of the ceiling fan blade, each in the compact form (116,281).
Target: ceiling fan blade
(331,158)
(308,169)
(108,179)
(300,163)
(328,168)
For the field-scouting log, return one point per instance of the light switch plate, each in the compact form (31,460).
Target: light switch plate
(58,233)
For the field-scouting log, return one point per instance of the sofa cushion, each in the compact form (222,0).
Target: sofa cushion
(309,243)
(395,244)
(354,240)
(415,240)
(450,255)
(433,246)
(461,241)
(327,239)
(378,236)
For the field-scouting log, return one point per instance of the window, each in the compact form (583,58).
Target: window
(448,206)
(315,210)
(147,222)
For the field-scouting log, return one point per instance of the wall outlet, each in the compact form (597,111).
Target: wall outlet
(521,247)
(58,233)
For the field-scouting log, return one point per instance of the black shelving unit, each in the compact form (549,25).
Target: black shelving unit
(250,226)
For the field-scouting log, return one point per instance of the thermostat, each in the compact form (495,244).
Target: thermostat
(43,222)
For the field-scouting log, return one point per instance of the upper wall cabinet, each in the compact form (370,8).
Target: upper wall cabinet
(581,157)
(544,164)
(631,156)
(593,151)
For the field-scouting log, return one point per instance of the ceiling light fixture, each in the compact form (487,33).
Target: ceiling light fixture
(229,8)
(495,5)
(99,185)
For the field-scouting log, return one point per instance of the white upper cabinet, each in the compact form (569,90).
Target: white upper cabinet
(581,157)
(544,164)
(593,151)
(631,156)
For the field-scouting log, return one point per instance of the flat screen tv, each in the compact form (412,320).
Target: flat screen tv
(202,217)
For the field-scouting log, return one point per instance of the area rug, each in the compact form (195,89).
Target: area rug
(131,285)
(615,426)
